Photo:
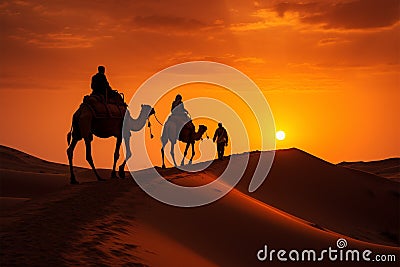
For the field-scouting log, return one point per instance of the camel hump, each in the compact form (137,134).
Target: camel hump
(181,120)
(182,124)
(114,108)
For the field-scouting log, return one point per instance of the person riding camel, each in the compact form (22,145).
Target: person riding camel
(177,107)
(100,85)
(179,114)
(104,101)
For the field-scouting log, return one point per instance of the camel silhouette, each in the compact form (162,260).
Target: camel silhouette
(85,125)
(187,135)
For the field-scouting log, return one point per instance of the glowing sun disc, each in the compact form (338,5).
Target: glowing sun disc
(280,135)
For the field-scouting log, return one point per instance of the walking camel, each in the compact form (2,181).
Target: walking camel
(85,125)
(187,135)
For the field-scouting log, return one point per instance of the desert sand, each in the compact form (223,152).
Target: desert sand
(305,203)
(389,168)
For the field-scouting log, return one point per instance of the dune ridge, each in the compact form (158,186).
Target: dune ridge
(388,168)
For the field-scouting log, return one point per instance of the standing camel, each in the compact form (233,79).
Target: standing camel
(187,135)
(85,125)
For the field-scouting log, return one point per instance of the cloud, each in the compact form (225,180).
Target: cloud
(56,40)
(185,56)
(253,60)
(61,40)
(327,16)
(265,18)
(78,24)
(357,14)
(331,41)
(47,27)
(225,58)
(156,22)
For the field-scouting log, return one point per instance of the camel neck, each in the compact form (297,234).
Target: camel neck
(138,123)
(198,135)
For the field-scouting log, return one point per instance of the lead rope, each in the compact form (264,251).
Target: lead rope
(149,125)
(206,136)
(158,120)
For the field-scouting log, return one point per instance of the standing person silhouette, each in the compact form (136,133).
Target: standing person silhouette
(221,137)
(100,85)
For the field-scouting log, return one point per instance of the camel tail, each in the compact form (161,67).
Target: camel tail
(69,136)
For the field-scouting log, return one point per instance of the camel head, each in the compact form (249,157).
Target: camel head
(146,109)
(138,123)
(201,131)
(202,128)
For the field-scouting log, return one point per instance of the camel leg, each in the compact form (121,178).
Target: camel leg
(116,156)
(70,153)
(162,155)
(193,153)
(185,153)
(128,155)
(173,153)
(90,159)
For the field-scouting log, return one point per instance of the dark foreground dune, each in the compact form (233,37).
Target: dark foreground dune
(305,203)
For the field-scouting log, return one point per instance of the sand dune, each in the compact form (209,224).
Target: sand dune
(115,223)
(388,168)
(23,176)
(354,203)
(12,159)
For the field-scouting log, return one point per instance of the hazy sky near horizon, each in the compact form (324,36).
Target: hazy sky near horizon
(329,69)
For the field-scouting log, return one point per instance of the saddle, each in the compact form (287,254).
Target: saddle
(114,108)
(183,123)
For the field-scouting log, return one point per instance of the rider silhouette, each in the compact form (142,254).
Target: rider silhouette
(100,85)
(177,107)
(180,115)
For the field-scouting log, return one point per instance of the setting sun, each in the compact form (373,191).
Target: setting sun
(280,135)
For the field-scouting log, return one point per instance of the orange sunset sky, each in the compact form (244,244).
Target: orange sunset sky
(329,69)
